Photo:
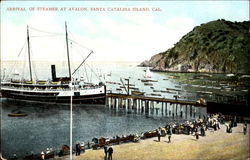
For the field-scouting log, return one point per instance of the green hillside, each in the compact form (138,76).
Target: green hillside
(217,46)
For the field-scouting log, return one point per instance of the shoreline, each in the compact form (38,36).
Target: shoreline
(201,72)
(215,145)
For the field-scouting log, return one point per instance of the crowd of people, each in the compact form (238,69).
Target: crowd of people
(197,128)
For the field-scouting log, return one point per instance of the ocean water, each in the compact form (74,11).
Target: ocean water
(47,125)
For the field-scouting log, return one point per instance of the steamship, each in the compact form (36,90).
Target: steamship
(56,90)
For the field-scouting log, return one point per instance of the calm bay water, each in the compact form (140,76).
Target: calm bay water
(47,125)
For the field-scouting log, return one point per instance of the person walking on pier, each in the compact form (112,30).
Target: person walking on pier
(110,152)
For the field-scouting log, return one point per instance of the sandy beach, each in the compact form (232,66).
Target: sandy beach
(216,145)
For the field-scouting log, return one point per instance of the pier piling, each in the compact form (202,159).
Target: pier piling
(186,111)
(176,107)
(150,105)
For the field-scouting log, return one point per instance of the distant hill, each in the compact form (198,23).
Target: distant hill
(217,46)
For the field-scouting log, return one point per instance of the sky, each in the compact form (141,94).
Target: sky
(148,28)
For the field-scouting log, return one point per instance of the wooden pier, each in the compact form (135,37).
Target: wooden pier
(145,104)
(155,99)
(174,107)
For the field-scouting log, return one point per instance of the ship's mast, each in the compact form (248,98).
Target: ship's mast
(28,40)
(71,98)
(67,50)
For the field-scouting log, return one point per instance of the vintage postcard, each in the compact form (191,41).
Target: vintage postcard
(125,80)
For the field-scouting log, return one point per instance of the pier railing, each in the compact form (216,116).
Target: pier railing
(155,99)
(175,106)
(145,105)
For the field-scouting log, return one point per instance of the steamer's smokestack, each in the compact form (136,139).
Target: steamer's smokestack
(53,72)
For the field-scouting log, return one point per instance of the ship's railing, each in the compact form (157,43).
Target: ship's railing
(51,89)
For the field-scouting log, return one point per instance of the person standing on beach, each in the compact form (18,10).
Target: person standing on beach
(230,126)
(169,134)
(14,157)
(110,152)
(197,134)
(105,151)
(245,128)
(88,145)
(42,155)
(159,135)
(78,149)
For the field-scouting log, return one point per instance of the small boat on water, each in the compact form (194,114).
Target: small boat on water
(111,82)
(202,76)
(148,80)
(207,75)
(129,84)
(155,90)
(134,88)
(17,114)
(216,87)
(148,73)
(145,80)
(167,91)
(245,76)
(148,84)
(155,94)
(153,80)
(204,92)
(244,90)
(173,77)
(109,74)
(137,93)
(230,75)
(227,89)
(177,86)
(172,89)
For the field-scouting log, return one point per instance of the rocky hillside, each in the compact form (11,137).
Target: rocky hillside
(217,46)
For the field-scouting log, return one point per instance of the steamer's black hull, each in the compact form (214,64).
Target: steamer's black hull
(53,98)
